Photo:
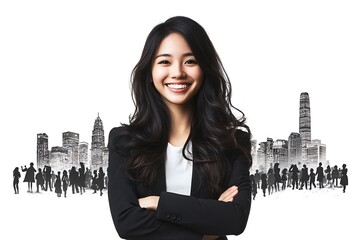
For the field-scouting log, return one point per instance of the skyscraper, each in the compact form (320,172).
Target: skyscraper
(304,123)
(42,150)
(294,148)
(97,144)
(71,142)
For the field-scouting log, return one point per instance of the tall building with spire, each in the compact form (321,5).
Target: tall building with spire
(98,150)
(304,123)
(42,150)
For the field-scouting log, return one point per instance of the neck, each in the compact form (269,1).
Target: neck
(180,124)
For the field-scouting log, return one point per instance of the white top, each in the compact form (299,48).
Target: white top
(178,170)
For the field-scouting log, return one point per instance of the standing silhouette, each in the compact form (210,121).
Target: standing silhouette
(328,175)
(312,178)
(257,178)
(94,181)
(335,175)
(53,178)
(39,180)
(47,176)
(29,175)
(320,175)
(263,183)
(344,178)
(283,178)
(304,177)
(271,181)
(16,177)
(58,185)
(88,176)
(74,180)
(277,177)
(81,180)
(294,175)
(100,180)
(65,182)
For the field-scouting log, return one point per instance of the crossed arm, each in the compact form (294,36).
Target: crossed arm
(174,216)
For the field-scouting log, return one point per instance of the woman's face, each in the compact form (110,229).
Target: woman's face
(175,71)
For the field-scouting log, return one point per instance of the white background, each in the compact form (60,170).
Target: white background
(63,62)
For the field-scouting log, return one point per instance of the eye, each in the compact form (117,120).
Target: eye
(164,62)
(191,61)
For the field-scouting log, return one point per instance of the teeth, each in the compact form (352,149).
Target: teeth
(177,86)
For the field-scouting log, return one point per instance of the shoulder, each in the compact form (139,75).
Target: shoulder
(118,135)
(243,139)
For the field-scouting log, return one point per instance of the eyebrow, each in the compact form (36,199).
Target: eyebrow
(169,55)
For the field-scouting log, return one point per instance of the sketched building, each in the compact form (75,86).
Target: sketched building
(42,150)
(316,152)
(304,123)
(84,153)
(294,148)
(71,142)
(280,153)
(261,157)
(253,154)
(99,153)
(269,154)
(59,159)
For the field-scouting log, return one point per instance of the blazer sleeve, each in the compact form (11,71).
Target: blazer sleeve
(130,220)
(210,216)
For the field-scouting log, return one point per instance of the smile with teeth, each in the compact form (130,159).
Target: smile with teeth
(178,86)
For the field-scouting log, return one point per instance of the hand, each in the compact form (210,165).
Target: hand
(229,194)
(150,202)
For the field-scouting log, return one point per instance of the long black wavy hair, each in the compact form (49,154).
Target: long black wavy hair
(214,130)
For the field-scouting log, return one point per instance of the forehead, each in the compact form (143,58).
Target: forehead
(172,44)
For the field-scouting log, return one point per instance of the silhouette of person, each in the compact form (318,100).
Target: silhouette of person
(312,178)
(58,185)
(328,175)
(81,179)
(271,181)
(88,176)
(100,180)
(320,175)
(283,178)
(294,175)
(16,177)
(29,175)
(304,177)
(253,186)
(335,175)
(257,178)
(263,183)
(39,180)
(344,178)
(65,182)
(74,180)
(289,178)
(277,177)
(47,176)
(53,178)
(94,181)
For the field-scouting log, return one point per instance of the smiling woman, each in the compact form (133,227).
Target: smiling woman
(180,168)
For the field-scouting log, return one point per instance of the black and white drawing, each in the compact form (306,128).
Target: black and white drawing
(65,69)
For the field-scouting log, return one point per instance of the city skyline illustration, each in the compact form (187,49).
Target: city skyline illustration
(296,148)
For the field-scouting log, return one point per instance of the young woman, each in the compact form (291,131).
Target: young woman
(180,168)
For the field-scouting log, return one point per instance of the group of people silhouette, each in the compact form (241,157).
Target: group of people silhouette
(78,179)
(295,178)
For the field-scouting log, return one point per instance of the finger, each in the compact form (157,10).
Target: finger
(230,192)
(227,193)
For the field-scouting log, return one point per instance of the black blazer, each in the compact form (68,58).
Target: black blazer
(177,216)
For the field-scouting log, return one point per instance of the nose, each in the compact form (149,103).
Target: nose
(177,71)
